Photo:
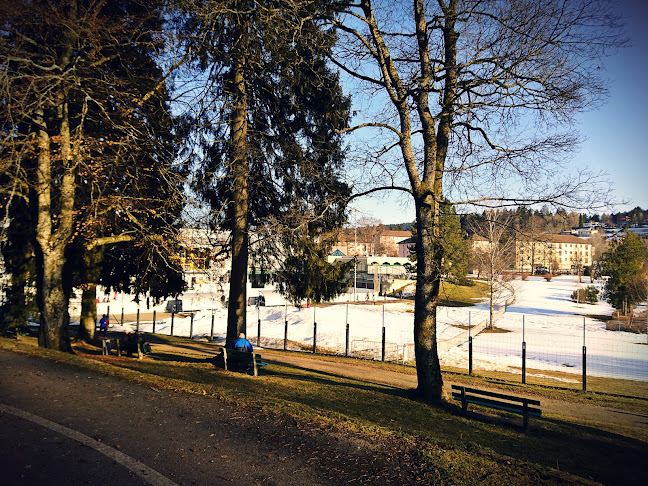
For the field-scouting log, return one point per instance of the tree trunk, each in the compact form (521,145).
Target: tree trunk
(53,303)
(490,307)
(54,231)
(428,281)
(88,312)
(236,315)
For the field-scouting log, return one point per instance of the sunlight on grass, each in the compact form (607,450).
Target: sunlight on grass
(482,449)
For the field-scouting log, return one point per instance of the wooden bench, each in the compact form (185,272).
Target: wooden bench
(240,360)
(129,343)
(498,401)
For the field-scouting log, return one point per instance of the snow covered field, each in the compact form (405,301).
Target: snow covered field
(553,327)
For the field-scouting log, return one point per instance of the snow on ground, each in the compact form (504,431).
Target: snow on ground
(553,327)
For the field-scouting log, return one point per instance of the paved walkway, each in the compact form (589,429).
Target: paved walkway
(61,425)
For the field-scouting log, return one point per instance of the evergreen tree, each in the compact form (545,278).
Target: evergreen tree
(457,247)
(272,158)
(626,265)
(306,274)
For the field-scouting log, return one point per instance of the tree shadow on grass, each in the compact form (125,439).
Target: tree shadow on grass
(580,449)
(180,358)
(334,379)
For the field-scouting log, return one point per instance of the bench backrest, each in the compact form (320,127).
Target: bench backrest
(491,394)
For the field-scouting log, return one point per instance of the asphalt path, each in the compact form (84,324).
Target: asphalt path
(61,425)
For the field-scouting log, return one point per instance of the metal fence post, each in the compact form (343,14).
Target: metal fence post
(122,317)
(137,328)
(153,321)
(470,355)
(286,327)
(584,359)
(258,306)
(172,317)
(346,348)
(191,327)
(383,344)
(314,337)
(523,362)
(470,344)
(211,332)
(523,354)
(285,334)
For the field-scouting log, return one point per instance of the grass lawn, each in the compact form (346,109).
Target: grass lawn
(452,295)
(456,450)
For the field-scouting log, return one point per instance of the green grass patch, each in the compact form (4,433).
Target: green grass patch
(457,450)
(452,295)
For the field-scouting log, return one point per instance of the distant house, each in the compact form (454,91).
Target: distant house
(480,243)
(404,247)
(553,253)
(369,241)
(390,239)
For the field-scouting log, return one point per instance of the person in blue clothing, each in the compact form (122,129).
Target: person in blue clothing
(103,325)
(242,344)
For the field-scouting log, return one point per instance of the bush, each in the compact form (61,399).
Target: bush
(589,294)
(548,277)
(464,282)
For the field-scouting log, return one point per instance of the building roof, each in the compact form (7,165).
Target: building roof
(402,234)
(409,241)
(554,238)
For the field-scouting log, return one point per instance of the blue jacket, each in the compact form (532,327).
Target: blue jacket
(242,344)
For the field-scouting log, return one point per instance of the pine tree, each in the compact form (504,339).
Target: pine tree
(626,265)
(273,157)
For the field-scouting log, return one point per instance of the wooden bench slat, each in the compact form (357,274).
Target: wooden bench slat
(496,400)
(496,395)
(509,407)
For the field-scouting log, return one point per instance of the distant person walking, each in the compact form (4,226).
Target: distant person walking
(242,344)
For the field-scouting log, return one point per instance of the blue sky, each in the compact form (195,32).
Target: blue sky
(616,133)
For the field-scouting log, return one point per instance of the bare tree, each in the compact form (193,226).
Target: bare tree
(493,256)
(477,100)
(83,105)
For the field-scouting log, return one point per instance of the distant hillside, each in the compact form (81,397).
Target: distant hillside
(399,226)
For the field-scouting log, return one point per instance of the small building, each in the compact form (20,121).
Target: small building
(406,247)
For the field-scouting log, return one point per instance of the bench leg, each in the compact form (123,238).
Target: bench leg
(525,414)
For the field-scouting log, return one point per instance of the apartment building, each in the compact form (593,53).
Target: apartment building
(555,253)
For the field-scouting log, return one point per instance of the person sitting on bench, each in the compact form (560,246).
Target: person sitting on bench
(242,344)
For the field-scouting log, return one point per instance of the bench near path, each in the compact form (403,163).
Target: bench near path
(634,424)
(500,401)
